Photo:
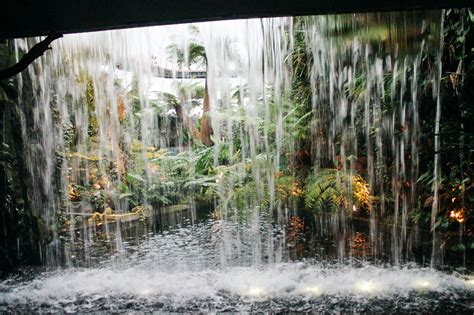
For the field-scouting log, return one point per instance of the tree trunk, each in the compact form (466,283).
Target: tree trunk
(206,129)
(187,122)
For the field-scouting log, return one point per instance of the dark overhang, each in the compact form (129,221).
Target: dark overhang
(23,18)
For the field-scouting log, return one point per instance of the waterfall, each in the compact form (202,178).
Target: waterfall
(111,110)
(287,164)
(437,148)
(361,86)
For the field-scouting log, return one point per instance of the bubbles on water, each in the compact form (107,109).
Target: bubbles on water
(181,270)
(236,288)
(312,290)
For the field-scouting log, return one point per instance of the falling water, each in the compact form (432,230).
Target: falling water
(107,106)
(382,68)
(437,147)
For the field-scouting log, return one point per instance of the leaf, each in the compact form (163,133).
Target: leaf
(126,195)
(82,156)
(135,177)
(471,14)
(426,178)
(303,117)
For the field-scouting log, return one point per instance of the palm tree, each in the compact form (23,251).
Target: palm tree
(196,54)
(177,102)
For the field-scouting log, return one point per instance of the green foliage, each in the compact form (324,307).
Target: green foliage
(187,174)
(289,190)
(226,177)
(19,224)
(204,160)
(456,191)
(300,113)
(90,101)
(323,192)
(331,190)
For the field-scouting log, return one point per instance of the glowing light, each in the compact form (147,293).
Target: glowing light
(354,208)
(423,284)
(365,286)
(457,215)
(255,292)
(470,281)
(313,290)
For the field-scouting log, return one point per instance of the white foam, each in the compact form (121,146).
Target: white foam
(283,281)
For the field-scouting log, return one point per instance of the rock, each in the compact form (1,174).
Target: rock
(108,211)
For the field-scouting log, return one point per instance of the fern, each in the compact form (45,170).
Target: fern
(322,192)
(331,191)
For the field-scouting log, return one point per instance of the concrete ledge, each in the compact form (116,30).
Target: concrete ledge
(23,18)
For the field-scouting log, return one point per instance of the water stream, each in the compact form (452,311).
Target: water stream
(109,132)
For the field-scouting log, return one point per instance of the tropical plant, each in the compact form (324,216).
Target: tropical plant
(195,54)
(331,190)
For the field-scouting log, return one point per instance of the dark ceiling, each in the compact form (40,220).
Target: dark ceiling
(22,18)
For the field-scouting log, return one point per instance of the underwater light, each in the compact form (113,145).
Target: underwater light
(423,284)
(365,286)
(470,281)
(313,290)
(145,292)
(255,291)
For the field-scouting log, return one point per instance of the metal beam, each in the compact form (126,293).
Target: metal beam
(23,18)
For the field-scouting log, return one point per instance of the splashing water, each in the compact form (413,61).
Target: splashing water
(181,270)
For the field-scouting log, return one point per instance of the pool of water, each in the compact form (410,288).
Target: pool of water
(194,262)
